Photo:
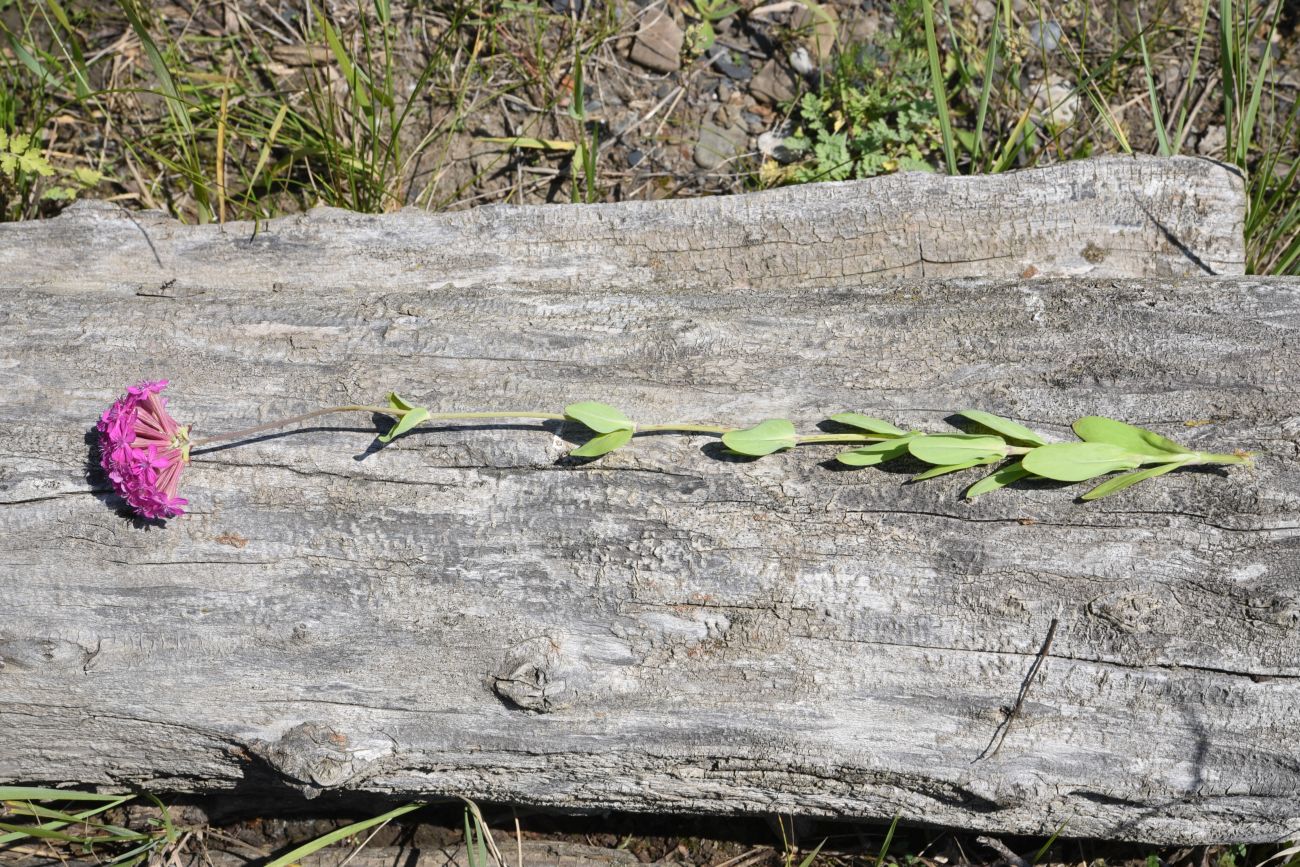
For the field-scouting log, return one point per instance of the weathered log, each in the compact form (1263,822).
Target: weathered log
(1116,217)
(465,611)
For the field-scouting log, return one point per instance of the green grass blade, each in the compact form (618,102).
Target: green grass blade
(1156,118)
(350,72)
(171,94)
(986,89)
(44,793)
(1180,128)
(889,839)
(73,818)
(1038,856)
(812,856)
(267,144)
(71,48)
(27,59)
(339,834)
(47,833)
(940,88)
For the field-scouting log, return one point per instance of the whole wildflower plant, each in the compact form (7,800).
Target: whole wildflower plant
(143,450)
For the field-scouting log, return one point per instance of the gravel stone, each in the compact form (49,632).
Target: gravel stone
(718,144)
(773,84)
(658,43)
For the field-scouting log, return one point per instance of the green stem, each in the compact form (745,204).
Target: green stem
(466,416)
(1211,458)
(688,428)
(382,410)
(841,438)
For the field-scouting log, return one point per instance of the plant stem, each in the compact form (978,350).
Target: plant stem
(382,410)
(842,438)
(688,428)
(1211,458)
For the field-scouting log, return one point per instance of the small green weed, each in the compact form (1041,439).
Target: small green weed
(869,117)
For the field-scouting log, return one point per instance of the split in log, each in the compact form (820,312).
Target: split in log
(462,612)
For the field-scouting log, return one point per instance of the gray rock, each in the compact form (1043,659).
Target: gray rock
(1045,36)
(802,61)
(658,42)
(771,144)
(1213,142)
(718,144)
(819,25)
(737,70)
(773,84)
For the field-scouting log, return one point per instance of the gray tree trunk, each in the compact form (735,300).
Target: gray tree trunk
(466,611)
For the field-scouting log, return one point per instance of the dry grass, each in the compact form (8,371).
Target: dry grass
(243,110)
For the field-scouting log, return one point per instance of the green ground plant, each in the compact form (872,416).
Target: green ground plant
(873,113)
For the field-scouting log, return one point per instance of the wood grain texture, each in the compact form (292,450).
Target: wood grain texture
(1113,217)
(467,612)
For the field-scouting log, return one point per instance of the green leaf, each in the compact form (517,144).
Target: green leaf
(876,453)
(396,401)
(1096,429)
(602,444)
(761,439)
(88,177)
(1075,462)
(413,416)
(1119,483)
(867,423)
(998,479)
(600,417)
(59,194)
(1011,431)
(949,449)
(952,468)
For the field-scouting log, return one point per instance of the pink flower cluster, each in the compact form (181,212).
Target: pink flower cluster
(143,450)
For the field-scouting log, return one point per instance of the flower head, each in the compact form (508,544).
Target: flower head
(143,450)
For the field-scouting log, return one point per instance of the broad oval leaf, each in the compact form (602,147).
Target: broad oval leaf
(413,416)
(1076,462)
(1097,429)
(998,479)
(952,468)
(947,449)
(600,417)
(1119,483)
(867,423)
(396,401)
(876,453)
(761,439)
(602,444)
(1010,430)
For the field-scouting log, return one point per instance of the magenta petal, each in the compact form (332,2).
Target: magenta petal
(143,450)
